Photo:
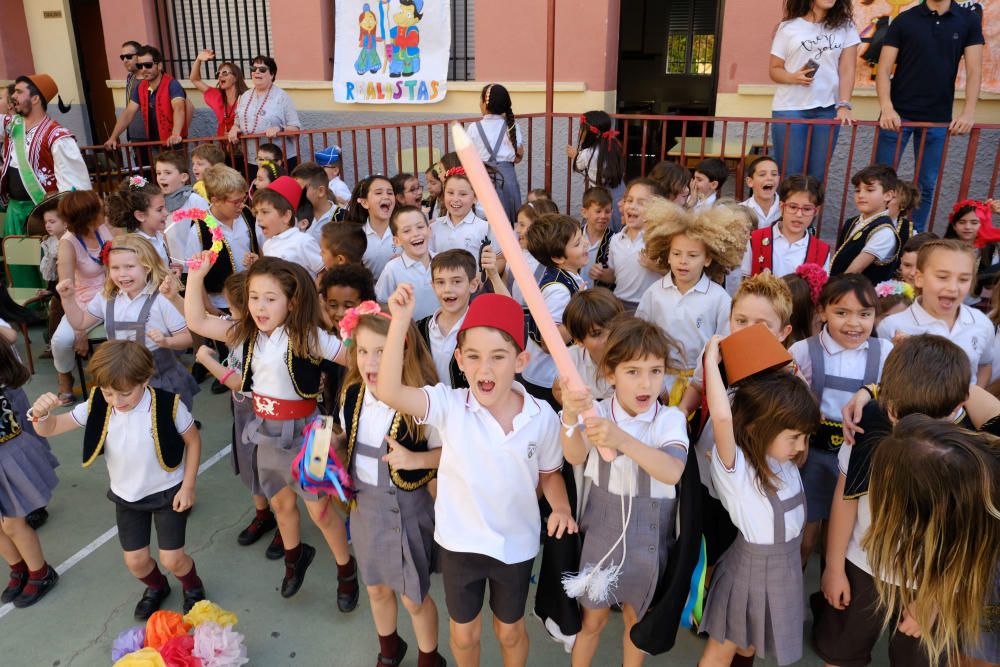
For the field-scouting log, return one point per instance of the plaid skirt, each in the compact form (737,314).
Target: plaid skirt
(756,599)
(392,532)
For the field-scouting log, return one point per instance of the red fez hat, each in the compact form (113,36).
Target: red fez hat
(45,84)
(498,312)
(751,351)
(289,188)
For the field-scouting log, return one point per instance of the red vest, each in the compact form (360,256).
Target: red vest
(39,151)
(164,111)
(762,250)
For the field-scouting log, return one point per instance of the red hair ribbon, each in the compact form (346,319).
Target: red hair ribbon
(987,232)
(590,128)
(454,171)
(815,277)
(105,253)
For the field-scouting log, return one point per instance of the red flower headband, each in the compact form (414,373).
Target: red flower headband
(815,277)
(106,253)
(454,171)
(987,232)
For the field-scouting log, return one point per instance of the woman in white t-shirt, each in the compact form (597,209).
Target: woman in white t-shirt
(813,56)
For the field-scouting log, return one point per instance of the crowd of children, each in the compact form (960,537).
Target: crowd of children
(396,315)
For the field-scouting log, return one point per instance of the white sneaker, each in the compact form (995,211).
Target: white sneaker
(553,629)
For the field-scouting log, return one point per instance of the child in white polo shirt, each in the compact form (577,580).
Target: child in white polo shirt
(499,445)
(275,208)
(152,451)
(631,272)
(946,269)
(453,273)
(460,227)
(410,232)
(688,303)
(762,179)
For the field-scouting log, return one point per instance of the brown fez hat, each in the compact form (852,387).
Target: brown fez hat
(751,351)
(47,87)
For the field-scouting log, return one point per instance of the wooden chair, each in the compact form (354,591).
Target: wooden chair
(25,252)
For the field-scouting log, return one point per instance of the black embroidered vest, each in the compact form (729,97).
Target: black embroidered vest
(305,371)
(225,264)
(408,480)
(603,248)
(551,275)
(455,374)
(10,427)
(163,409)
(849,248)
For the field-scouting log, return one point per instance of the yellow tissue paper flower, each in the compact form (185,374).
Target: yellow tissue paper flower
(209,611)
(147,657)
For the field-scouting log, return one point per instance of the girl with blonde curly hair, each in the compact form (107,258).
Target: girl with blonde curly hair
(689,303)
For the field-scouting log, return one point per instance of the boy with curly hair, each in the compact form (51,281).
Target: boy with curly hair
(689,303)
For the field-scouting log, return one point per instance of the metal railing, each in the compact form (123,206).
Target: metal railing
(968,168)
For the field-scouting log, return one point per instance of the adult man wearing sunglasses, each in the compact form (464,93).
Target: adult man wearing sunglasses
(160,99)
(129,51)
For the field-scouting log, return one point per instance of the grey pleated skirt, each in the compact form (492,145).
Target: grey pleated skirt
(27,465)
(509,191)
(756,599)
(245,451)
(648,539)
(392,532)
(988,647)
(278,442)
(172,376)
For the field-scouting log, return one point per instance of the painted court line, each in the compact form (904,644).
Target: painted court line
(63,567)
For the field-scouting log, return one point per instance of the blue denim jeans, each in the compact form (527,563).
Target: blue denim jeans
(823,138)
(930,162)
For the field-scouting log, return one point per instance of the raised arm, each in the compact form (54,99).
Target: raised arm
(77,318)
(46,424)
(575,403)
(195,75)
(391,390)
(194,303)
(718,405)
(124,120)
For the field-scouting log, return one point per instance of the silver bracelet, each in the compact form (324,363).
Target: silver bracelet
(569,427)
(31,416)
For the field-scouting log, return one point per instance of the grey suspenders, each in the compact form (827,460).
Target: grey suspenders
(138,326)
(821,381)
(782,507)
(486,142)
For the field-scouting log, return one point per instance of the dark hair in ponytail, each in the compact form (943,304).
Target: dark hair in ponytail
(607,149)
(129,198)
(497,101)
(13,373)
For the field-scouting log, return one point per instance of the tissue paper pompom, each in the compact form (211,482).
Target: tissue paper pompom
(163,626)
(205,611)
(177,652)
(218,646)
(147,657)
(128,641)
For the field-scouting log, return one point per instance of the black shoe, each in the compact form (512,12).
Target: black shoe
(290,585)
(219,388)
(199,372)
(276,549)
(151,600)
(37,518)
(193,596)
(42,586)
(256,530)
(347,601)
(18,580)
(395,661)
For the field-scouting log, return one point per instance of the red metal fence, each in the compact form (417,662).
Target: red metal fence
(969,163)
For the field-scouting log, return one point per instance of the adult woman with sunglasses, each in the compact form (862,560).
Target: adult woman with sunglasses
(223,98)
(266,109)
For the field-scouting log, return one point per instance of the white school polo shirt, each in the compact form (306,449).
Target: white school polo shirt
(269,362)
(443,344)
(589,373)
(316,227)
(536,269)
(297,247)
(162,315)
(973,331)
(840,361)
(863,522)
(690,319)
(785,256)
(658,427)
(468,234)
(340,190)
(486,501)
(405,269)
(749,509)
(379,251)
(159,243)
(541,368)
(631,278)
(764,218)
(881,244)
(133,467)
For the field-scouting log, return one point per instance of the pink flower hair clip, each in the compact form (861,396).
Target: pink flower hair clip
(136,182)
(894,288)
(815,276)
(349,322)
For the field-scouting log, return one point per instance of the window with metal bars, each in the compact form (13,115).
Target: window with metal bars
(237,30)
(462,62)
(691,37)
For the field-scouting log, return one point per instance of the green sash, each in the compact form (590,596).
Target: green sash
(31,184)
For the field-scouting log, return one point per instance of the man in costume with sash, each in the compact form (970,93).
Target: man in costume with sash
(40,156)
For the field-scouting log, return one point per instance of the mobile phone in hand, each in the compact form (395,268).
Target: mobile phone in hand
(813,66)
